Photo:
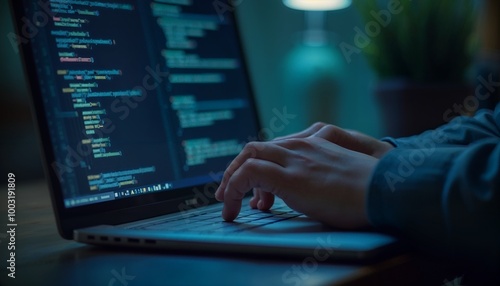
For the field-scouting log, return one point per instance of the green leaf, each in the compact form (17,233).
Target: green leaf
(429,41)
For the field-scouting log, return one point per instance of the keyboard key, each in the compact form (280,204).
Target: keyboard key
(211,221)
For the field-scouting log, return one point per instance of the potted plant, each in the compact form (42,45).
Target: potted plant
(421,53)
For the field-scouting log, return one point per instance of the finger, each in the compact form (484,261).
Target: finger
(255,199)
(303,134)
(333,134)
(354,140)
(261,200)
(266,201)
(254,173)
(374,147)
(344,138)
(257,150)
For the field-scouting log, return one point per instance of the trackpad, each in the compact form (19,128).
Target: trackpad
(301,224)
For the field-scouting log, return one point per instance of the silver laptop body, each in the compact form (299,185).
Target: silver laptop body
(140,106)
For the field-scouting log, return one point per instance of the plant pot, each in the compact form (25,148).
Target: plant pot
(409,108)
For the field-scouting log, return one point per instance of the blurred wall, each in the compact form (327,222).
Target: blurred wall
(19,149)
(270,34)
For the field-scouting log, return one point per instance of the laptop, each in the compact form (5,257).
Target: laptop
(140,106)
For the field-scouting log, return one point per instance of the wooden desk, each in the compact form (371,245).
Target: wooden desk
(43,258)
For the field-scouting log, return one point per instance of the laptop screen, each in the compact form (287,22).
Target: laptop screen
(139,97)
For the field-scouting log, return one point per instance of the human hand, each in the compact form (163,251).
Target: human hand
(323,180)
(348,139)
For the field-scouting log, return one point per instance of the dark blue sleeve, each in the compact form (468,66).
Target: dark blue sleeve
(444,191)
(459,131)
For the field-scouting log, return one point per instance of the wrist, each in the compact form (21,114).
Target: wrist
(382,149)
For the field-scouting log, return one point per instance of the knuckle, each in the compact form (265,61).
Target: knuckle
(251,148)
(251,145)
(251,165)
(329,129)
(318,125)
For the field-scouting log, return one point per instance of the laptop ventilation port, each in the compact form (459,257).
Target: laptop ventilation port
(150,241)
(134,240)
(104,238)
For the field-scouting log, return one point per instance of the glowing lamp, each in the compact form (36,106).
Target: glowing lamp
(317,5)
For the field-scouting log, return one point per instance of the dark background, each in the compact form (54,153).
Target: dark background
(268,44)
(270,33)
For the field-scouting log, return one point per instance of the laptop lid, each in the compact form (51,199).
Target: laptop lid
(140,105)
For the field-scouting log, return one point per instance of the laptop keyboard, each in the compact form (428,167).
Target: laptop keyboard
(210,221)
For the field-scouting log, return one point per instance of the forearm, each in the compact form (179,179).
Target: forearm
(445,199)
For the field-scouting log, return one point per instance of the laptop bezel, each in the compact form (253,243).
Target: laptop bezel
(126,210)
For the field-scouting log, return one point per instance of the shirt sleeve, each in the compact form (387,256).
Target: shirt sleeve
(459,131)
(444,195)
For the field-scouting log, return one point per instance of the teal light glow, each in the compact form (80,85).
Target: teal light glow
(317,5)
